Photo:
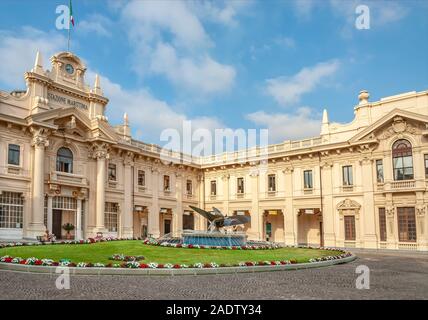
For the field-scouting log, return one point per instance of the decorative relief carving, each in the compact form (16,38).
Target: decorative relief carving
(398,127)
(40,137)
(349,207)
(288,169)
(225,176)
(420,211)
(390,211)
(128,159)
(99,151)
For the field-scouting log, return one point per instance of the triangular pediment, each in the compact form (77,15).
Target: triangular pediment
(74,121)
(395,122)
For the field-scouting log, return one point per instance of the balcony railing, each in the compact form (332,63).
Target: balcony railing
(405,184)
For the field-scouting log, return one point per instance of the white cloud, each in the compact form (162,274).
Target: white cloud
(168,39)
(148,115)
(288,126)
(288,90)
(18,53)
(285,41)
(95,24)
(222,12)
(203,74)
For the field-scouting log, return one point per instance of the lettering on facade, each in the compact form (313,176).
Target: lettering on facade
(67,101)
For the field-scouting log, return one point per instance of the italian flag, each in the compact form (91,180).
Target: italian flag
(71,14)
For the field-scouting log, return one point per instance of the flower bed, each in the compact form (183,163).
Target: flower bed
(122,257)
(133,263)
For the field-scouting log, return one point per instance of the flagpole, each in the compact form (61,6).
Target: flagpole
(68,43)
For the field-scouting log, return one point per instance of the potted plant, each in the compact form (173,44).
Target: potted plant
(68,227)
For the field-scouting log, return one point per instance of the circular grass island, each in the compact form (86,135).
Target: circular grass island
(112,253)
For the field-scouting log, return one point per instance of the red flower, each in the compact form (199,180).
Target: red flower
(249,264)
(55,263)
(190,246)
(179,246)
(8,260)
(22,262)
(202,247)
(160,266)
(207,265)
(177,266)
(272,263)
(143,266)
(38,262)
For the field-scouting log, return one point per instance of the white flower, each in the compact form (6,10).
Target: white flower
(47,262)
(168,266)
(214,265)
(99,265)
(198,265)
(153,265)
(81,265)
(242,264)
(184,266)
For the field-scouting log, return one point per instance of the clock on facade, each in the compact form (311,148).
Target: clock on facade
(69,68)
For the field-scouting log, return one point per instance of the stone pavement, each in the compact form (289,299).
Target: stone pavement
(393,275)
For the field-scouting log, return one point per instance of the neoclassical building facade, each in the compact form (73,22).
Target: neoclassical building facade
(361,184)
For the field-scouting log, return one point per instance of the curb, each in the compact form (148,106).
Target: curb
(172,272)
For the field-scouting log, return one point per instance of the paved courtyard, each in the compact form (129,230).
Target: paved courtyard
(392,276)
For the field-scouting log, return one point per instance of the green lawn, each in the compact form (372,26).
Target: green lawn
(100,252)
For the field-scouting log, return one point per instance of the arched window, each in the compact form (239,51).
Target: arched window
(64,160)
(402,160)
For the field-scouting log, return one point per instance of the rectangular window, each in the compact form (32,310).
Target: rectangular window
(406,224)
(13,154)
(213,188)
(349,227)
(110,216)
(271,183)
(307,178)
(166,184)
(141,178)
(382,224)
(240,185)
(189,187)
(11,210)
(347,175)
(112,172)
(379,171)
(426,165)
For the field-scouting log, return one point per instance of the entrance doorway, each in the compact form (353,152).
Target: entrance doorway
(309,227)
(167,226)
(57,223)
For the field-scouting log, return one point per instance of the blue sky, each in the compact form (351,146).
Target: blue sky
(232,64)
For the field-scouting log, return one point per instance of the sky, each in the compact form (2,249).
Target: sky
(226,64)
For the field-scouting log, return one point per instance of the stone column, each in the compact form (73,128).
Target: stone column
(153,216)
(289,215)
(50,217)
(369,218)
(40,141)
(256,219)
(328,210)
(200,222)
(177,218)
(128,185)
(101,154)
(78,234)
(226,193)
